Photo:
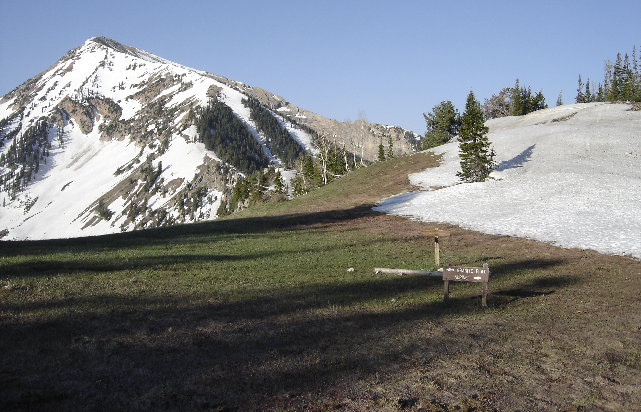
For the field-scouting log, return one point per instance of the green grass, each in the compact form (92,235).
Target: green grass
(259,311)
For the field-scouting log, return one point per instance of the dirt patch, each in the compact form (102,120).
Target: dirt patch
(213,91)
(82,114)
(635,107)
(564,118)
(154,86)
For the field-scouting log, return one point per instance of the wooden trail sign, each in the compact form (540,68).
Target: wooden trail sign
(465,274)
(449,273)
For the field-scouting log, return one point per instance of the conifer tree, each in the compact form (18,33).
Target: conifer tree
(390,148)
(580,96)
(477,156)
(618,79)
(629,80)
(381,151)
(636,76)
(442,125)
(522,101)
(559,100)
(538,102)
(527,102)
(600,95)
(298,186)
(279,185)
(517,104)
(587,95)
(310,175)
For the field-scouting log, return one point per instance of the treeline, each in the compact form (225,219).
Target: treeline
(331,162)
(621,82)
(251,189)
(221,131)
(279,140)
(513,101)
(23,158)
(268,184)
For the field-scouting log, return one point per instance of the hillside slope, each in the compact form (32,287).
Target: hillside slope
(278,308)
(568,175)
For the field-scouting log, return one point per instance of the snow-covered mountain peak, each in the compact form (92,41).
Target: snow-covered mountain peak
(112,138)
(121,48)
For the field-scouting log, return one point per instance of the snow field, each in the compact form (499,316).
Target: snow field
(575,183)
(75,177)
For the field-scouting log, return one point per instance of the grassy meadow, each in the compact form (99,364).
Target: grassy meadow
(261,310)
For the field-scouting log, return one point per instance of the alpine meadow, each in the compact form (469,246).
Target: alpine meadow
(174,239)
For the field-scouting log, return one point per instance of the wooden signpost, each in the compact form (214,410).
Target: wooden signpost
(437,250)
(466,274)
(449,273)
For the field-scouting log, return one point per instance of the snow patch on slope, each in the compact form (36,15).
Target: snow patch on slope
(568,175)
(64,194)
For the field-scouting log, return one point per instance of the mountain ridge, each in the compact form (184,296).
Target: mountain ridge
(104,97)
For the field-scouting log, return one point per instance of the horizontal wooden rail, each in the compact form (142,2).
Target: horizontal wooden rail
(402,272)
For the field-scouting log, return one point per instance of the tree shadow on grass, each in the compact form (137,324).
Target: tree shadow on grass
(535,288)
(173,235)
(205,353)
(141,352)
(159,260)
(211,350)
(518,266)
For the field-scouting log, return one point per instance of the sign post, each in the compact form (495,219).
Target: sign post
(437,233)
(449,273)
(465,274)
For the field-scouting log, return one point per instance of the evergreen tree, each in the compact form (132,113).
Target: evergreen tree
(618,79)
(636,76)
(587,95)
(381,151)
(522,101)
(622,80)
(442,125)
(279,140)
(279,185)
(527,102)
(600,95)
(298,186)
(580,96)
(311,177)
(629,79)
(516,108)
(559,100)
(61,136)
(228,136)
(538,102)
(477,156)
(390,148)
(103,211)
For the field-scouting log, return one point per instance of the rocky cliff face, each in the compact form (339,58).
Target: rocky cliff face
(107,140)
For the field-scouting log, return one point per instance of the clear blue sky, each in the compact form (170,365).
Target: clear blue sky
(391,60)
